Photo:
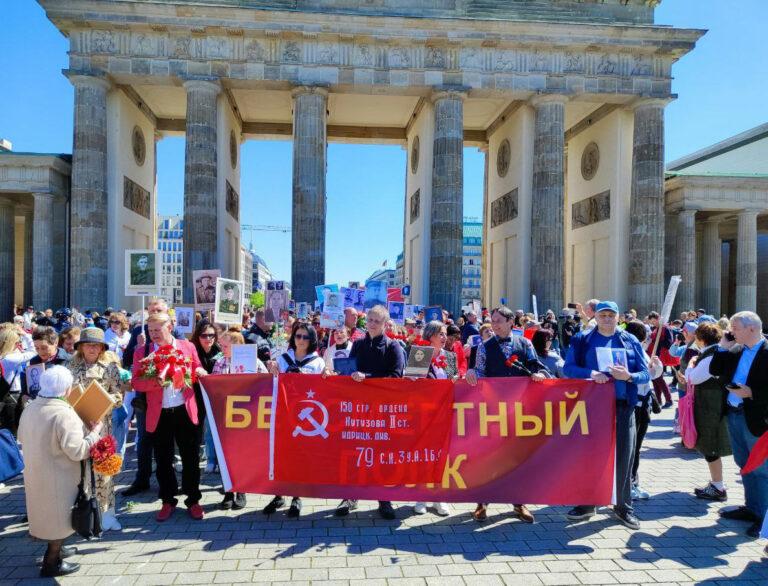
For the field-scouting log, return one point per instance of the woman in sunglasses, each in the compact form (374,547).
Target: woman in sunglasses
(205,339)
(117,336)
(301,357)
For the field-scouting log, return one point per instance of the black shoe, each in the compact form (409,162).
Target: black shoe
(739,514)
(627,519)
(135,489)
(580,513)
(667,405)
(240,501)
(754,529)
(345,507)
(711,493)
(228,502)
(386,511)
(273,505)
(68,550)
(61,569)
(295,509)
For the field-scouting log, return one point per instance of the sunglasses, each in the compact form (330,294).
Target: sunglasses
(301,337)
(208,336)
(114,322)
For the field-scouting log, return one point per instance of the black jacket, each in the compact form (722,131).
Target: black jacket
(380,357)
(724,366)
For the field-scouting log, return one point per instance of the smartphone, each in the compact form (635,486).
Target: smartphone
(732,387)
(572,306)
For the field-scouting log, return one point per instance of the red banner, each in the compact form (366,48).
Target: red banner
(378,432)
(511,441)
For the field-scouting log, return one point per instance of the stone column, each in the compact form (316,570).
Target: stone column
(746,261)
(60,232)
(484,292)
(200,182)
(42,252)
(548,201)
(310,112)
(7,257)
(646,220)
(447,209)
(712,271)
(28,256)
(685,260)
(88,270)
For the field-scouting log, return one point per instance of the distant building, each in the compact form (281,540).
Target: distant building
(170,243)
(260,273)
(400,269)
(472,253)
(388,275)
(246,272)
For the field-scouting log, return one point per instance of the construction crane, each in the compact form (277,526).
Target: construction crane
(251,228)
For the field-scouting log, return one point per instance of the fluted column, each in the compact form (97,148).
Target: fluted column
(447,214)
(646,219)
(746,261)
(200,188)
(7,257)
(548,201)
(28,254)
(310,112)
(88,269)
(60,234)
(42,251)
(685,261)
(712,273)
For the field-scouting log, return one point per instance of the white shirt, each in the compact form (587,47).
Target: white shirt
(172,396)
(700,373)
(117,342)
(333,352)
(11,363)
(314,366)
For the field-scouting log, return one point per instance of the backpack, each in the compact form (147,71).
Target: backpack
(11,462)
(685,417)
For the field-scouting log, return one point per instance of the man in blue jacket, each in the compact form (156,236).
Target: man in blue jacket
(605,354)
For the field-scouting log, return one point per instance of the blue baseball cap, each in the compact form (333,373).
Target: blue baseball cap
(607,306)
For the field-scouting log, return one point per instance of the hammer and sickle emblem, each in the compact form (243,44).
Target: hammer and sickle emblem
(317,427)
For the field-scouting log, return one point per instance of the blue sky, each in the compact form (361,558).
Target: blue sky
(721,86)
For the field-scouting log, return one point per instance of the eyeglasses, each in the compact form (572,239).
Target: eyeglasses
(301,337)
(208,336)
(114,322)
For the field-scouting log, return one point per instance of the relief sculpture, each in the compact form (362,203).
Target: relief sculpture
(136,198)
(504,208)
(591,210)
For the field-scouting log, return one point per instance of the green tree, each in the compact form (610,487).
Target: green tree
(257,299)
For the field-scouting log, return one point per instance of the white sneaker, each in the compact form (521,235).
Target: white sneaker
(420,508)
(442,509)
(109,521)
(642,494)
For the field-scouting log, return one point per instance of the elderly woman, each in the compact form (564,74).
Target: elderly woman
(223,365)
(93,362)
(54,443)
(443,367)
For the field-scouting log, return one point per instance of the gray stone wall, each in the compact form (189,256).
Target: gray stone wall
(7,248)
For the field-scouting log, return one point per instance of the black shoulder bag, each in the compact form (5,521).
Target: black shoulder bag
(86,513)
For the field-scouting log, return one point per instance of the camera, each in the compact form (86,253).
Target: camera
(729,336)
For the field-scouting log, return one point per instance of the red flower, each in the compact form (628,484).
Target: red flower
(103,449)
(511,361)
(439,361)
(419,341)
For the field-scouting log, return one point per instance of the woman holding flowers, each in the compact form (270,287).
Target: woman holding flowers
(93,362)
(167,376)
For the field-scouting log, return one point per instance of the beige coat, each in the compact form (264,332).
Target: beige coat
(53,442)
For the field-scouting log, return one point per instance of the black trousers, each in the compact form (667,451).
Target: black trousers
(642,419)
(175,426)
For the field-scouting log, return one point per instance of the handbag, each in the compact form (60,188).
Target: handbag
(686,418)
(86,513)
(11,462)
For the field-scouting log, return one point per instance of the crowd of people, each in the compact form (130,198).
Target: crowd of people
(724,362)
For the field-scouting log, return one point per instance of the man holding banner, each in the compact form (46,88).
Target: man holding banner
(505,355)
(377,357)
(603,354)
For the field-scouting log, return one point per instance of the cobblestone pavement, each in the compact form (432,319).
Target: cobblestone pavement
(682,540)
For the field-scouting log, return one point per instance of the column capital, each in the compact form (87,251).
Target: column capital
(749,212)
(210,84)
(309,89)
(7,203)
(691,212)
(95,79)
(448,93)
(713,221)
(646,102)
(547,98)
(42,194)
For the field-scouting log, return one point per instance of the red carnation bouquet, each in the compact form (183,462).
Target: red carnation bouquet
(439,361)
(514,361)
(105,459)
(169,367)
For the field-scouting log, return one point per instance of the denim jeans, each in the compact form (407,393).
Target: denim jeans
(756,482)
(210,449)
(120,431)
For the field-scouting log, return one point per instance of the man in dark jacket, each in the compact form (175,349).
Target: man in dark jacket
(46,342)
(493,357)
(377,357)
(744,371)
(470,328)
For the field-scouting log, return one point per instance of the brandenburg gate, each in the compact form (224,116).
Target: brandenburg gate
(566,99)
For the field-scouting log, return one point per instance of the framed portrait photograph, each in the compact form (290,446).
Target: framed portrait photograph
(397,312)
(205,289)
(276,299)
(228,308)
(142,272)
(375,293)
(185,319)
(33,373)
